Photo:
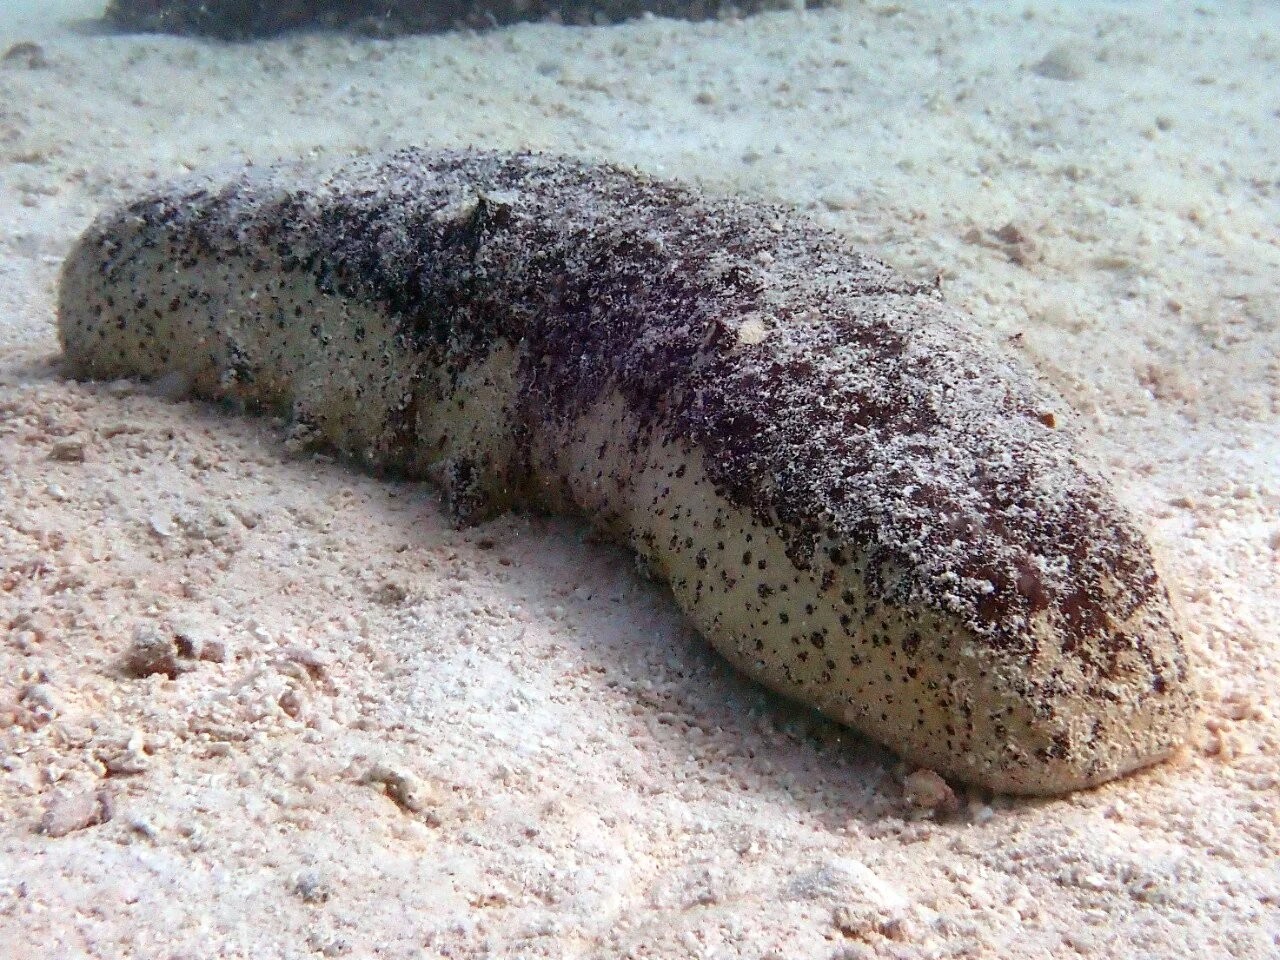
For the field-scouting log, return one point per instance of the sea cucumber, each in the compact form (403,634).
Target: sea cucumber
(245,19)
(858,499)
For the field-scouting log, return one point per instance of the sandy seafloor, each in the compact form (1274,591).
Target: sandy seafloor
(581,776)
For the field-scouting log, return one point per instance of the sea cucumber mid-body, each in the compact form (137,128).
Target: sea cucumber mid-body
(855,497)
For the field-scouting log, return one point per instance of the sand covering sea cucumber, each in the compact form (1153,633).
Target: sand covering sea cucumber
(858,500)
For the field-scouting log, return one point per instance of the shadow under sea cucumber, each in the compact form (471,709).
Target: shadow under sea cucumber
(855,497)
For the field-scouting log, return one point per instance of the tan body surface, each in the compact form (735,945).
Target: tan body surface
(856,499)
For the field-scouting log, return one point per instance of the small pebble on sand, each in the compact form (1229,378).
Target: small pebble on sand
(24,53)
(150,653)
(69,812)
(925,790)
(401,786)
(1060,63)
(68,451)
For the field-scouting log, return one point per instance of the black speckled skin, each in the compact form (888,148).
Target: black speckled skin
(857,499)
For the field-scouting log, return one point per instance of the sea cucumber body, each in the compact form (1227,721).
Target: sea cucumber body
(857,499)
